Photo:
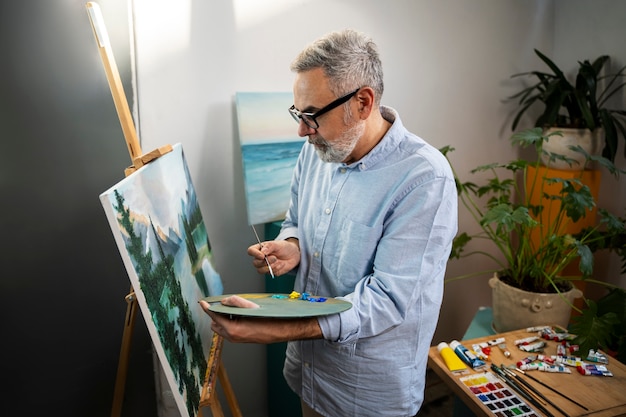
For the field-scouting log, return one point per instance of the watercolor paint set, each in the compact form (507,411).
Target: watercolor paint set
(496,396)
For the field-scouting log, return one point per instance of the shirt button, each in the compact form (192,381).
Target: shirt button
(343,170)
(316,254)
(327,211)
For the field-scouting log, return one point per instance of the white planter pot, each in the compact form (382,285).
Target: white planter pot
(515,309)
(590,141)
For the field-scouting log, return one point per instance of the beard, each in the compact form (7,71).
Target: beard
(341,148)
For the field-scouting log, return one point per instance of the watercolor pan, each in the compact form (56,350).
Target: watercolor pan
(496,396)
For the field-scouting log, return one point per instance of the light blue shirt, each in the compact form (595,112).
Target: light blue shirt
(377,233)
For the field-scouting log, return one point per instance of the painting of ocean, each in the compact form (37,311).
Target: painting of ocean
(269,148)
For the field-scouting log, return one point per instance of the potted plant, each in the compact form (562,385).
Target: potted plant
(578,110)
(531,257)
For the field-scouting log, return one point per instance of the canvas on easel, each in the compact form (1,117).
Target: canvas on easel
(160,233)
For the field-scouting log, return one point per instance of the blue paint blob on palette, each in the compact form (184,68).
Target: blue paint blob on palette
(497,397)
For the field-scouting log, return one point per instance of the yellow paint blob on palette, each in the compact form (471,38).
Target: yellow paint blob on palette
(497,396)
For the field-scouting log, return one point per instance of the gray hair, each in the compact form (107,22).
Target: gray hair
(348,58)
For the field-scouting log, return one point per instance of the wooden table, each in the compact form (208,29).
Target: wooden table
(603,396)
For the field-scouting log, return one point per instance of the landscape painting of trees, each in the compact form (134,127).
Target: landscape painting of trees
(160,233)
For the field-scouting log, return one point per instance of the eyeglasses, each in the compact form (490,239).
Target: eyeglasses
(309,119)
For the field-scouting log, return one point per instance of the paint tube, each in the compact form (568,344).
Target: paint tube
(496,342)
(529,366)
(595,356)
(526,361)
(554,368)
(484,346)
(500,343)
(570,360)
(594,372)
(533,347)
(466,355)
(480,352)
(597,370)
(504,350)
(561,349)
(547,332)
(549,359)
(526,340)
(550,334)
(537,329)
(452,361)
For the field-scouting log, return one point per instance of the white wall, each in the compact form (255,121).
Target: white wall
(447,66)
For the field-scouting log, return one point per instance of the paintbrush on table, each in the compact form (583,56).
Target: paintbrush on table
(520,389)
(552,389)
(533,389)
(261,246)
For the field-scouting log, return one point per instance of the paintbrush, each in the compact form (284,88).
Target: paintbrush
(552,389)
(261,246)
(523,391)
(534,390)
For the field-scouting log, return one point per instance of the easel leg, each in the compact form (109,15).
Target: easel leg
(214,403)
(216,408)
(228,390)
(122,367)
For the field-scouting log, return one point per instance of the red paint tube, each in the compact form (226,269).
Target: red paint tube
(526,360)
(599,370)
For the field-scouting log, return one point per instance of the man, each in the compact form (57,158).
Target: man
(372,216)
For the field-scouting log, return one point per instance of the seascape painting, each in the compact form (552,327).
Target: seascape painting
(160,233)
(269,148)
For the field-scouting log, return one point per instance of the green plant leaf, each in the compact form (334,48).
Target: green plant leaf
(599,62)
(610,135)
(586,85)
(551,64)
(505,218)
(592,330)
(606,163)
(446,149)
(552,157)
(458,245)
(575,197)
(529,137)
(615,301)
(586,259)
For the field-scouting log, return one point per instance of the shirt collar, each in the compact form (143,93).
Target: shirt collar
(387,143)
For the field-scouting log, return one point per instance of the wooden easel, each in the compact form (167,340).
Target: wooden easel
(215,367)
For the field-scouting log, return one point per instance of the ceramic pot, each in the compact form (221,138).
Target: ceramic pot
(515,309)
(590,141)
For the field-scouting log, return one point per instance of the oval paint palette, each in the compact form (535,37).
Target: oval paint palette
(280,306)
